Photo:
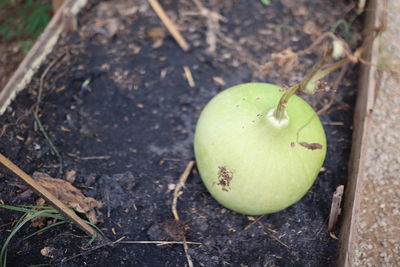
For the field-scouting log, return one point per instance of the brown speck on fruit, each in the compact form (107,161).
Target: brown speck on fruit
(224,178)
(237,106)
(257,98)
(292,144)
(311,146)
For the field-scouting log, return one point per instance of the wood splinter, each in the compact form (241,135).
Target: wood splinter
(48,196)
(335,207)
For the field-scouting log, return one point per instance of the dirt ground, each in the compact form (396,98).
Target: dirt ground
(129,133)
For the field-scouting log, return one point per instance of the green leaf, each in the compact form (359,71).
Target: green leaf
(3,251)
(31,213)
(7,32)
(46,228)
(4,3)
(266,2)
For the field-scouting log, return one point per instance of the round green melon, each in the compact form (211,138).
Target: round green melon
(249,161)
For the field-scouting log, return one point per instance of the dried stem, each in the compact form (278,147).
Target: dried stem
(169,24)
(40,92)
(160,243)
(177,193)
(179,186)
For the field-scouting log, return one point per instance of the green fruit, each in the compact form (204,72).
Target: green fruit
(249,161)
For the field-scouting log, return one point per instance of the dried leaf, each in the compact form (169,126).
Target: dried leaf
(176,229)
(69,195)
(169,229)
(38,222)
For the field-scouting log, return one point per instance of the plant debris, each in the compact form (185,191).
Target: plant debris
(69,195)
(169,229)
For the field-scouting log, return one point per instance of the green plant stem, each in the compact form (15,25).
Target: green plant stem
(322,73)
(279,113)
(46,228)
(316,74)
(52,146)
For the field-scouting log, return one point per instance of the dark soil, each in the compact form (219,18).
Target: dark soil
(129,134)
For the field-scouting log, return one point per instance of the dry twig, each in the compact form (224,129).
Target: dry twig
(189,76)
(93,249)
(40,92)
(272,235)
(179,186)
(161,243)
(213,27)
(120,241)
(177,193)
(186,248)
(214,34)
(253,222)
(169,24)
(334,90)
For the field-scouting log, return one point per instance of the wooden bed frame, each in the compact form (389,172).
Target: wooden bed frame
(367,84)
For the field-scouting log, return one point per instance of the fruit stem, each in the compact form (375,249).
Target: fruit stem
(308,84)
(280,109)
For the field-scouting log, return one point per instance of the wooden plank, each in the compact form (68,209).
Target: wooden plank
(362,116)
(43,46)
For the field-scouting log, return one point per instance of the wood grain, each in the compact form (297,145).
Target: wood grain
(362,117)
